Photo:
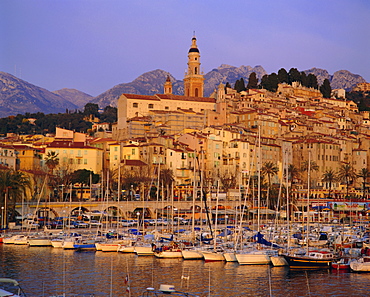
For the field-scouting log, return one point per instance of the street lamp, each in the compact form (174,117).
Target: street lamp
(132,192)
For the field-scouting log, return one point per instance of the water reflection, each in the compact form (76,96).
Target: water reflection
(46,271)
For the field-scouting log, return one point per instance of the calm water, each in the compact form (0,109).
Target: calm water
(45,271)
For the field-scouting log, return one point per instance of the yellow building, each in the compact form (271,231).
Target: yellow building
(76,155)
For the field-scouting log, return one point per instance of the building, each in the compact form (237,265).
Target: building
(132,106)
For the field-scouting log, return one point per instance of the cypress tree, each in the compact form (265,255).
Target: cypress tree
(304,79)
(294,75)
(312,81)
(283,76)
(325,88)
(252,81)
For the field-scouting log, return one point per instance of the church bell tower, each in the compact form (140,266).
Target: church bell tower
(194,79)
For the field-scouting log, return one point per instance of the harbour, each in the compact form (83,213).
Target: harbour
(47,271)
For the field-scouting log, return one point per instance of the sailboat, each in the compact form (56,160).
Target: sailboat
(313,259)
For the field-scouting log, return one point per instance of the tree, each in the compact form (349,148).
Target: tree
(364,174)
(252,81)
(269,169)
(283,76)
(227,180)
(82,176)
(325,88)
(294,75)
(312,81)
(239,85)
(270,82)
(347,175)
(293,173)
(304,79)
(91,109)
(13,185)
(51,161)
(329,177)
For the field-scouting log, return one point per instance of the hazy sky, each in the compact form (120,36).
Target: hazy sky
(94,45)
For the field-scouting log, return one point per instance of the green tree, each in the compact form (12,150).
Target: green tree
(51,161)
(13,185)
(91,109)
(269,169)
(82,177)
(239,85)
(270,82)
(325,88)
(304,79)
(312,81)
(252,81)
(329,177)
(364,173)
(347,175)
(283,76)
(294,75)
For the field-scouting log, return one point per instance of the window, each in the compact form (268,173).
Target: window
(166,108)
(150,105)
(85,161)
(133,152)
(135,105)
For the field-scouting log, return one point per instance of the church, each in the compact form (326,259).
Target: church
(192,107)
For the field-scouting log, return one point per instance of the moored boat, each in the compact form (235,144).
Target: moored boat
(313,260)
(361,264)
(6,290)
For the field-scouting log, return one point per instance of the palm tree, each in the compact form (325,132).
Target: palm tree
(13,184)
(347,175)
(364,174)
(269,169)
(293,173)
(51,161)
(329,176)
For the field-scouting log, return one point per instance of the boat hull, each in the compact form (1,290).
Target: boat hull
(191,255)
(213,257)
(295,262)
(253,259)
(168,254)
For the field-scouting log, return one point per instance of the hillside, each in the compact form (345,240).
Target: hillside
(18,96)
(74,96)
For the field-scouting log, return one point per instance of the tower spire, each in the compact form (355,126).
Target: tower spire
(194,79)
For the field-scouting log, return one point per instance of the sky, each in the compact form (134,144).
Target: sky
(93,45)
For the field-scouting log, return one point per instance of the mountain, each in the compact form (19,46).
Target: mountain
(18,96)
(226,73)
(149,83)
(74,96)
(152,82)
(342,79)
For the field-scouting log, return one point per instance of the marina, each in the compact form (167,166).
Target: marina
(47,271)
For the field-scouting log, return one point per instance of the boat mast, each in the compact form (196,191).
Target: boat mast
(259,178)
(308,199)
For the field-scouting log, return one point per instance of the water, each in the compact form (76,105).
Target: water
(46,271)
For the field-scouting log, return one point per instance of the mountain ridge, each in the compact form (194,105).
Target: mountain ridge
(18,96)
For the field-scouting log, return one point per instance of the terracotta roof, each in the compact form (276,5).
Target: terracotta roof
(185,98)
(140,97)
